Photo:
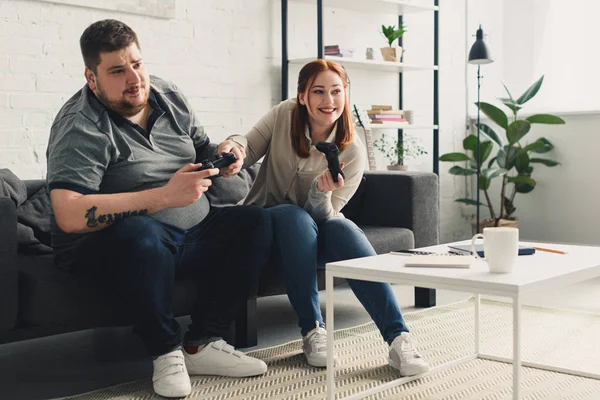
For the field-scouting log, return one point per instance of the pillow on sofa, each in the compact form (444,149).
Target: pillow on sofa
(35,214)
(32,214)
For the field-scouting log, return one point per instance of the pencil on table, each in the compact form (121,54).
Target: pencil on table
(550,250)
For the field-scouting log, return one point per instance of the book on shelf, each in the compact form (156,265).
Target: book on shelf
(391,117)
(378,121)
(380,107)
(387,112)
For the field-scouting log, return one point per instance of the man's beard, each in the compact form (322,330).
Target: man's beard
(123,107)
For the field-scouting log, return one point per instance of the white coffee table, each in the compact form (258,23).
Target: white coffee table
(542,270)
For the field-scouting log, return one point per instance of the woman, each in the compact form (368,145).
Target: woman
(297,187)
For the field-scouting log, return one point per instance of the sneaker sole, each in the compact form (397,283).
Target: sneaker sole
(173,393)
(409,371)
(226,372)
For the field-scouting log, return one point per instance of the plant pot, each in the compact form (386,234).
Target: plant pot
(391,53)
(491,222)
(397,167)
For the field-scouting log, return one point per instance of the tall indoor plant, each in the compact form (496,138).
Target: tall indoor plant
(514,159)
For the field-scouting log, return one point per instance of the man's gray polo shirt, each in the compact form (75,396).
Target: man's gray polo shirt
(94,150)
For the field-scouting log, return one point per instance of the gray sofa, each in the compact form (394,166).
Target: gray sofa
(395,210)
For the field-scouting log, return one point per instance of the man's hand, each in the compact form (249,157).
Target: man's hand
(239,151)
(187,185)
(326,183)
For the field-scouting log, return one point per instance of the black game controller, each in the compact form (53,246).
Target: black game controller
(219,162)
(333,162)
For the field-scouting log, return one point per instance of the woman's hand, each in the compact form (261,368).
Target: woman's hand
(239,151)
(326,183)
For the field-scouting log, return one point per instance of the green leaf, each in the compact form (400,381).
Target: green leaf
(522,179)
(517,130)
(484,182)
(491,162)
(470,143)
(532,91)
(509,207)
(470,202)
(548,146)
(494,113)
(507,92)
(538,144)
(456,170)
(485,148)
(545,161)
(512,105)
(501,158)
(495,172)
(455,157)
(522,161)
(489,132)
(511,154)
(545,119)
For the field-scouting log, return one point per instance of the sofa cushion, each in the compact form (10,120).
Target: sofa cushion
(385,239)
(50,296)
(354,207)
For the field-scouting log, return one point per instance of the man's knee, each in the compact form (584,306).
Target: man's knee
(137,234)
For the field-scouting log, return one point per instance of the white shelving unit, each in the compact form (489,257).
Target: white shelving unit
(384,7)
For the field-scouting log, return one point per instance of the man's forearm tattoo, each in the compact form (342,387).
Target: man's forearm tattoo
(109,219)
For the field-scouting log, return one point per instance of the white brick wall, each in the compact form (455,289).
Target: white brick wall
(225,56)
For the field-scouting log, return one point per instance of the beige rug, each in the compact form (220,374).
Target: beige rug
(563,338)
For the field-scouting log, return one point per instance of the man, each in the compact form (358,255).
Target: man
(129,210)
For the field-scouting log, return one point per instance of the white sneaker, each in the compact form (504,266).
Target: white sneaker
(170,377)
(314,345)
(219,358)
(405,357)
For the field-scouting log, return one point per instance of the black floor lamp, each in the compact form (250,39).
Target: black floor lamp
(479,54)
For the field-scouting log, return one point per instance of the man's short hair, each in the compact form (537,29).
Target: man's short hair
(104,36)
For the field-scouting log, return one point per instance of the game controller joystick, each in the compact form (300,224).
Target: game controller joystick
(333,162)
(219,162)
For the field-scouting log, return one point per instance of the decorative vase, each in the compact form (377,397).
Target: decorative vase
(397,167)
(391,53)
(492,222)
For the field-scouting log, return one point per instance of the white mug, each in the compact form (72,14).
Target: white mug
(500,248)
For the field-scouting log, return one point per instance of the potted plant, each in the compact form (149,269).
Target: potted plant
(514,159)
(399,151)
(391,34)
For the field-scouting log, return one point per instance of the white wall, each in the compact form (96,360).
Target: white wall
(548,38)
(219,53)
(226,57)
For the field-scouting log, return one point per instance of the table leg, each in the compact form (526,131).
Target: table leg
(329,315)
(516,347)
(477,326)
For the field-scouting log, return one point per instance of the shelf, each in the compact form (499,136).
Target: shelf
(396,125)
(389,66)
(397,7)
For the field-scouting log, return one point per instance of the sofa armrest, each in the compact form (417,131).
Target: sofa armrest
(402,199)
(8,264)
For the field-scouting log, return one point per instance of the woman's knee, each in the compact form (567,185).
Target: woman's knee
(290,217)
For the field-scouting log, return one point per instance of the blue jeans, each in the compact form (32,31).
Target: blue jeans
(139,258)
(300,246)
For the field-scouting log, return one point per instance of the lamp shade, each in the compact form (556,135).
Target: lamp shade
(479,53)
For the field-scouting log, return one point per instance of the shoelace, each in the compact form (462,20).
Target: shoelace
(407,349)
(318,340)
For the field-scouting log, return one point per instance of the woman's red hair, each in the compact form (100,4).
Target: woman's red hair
(344,132)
